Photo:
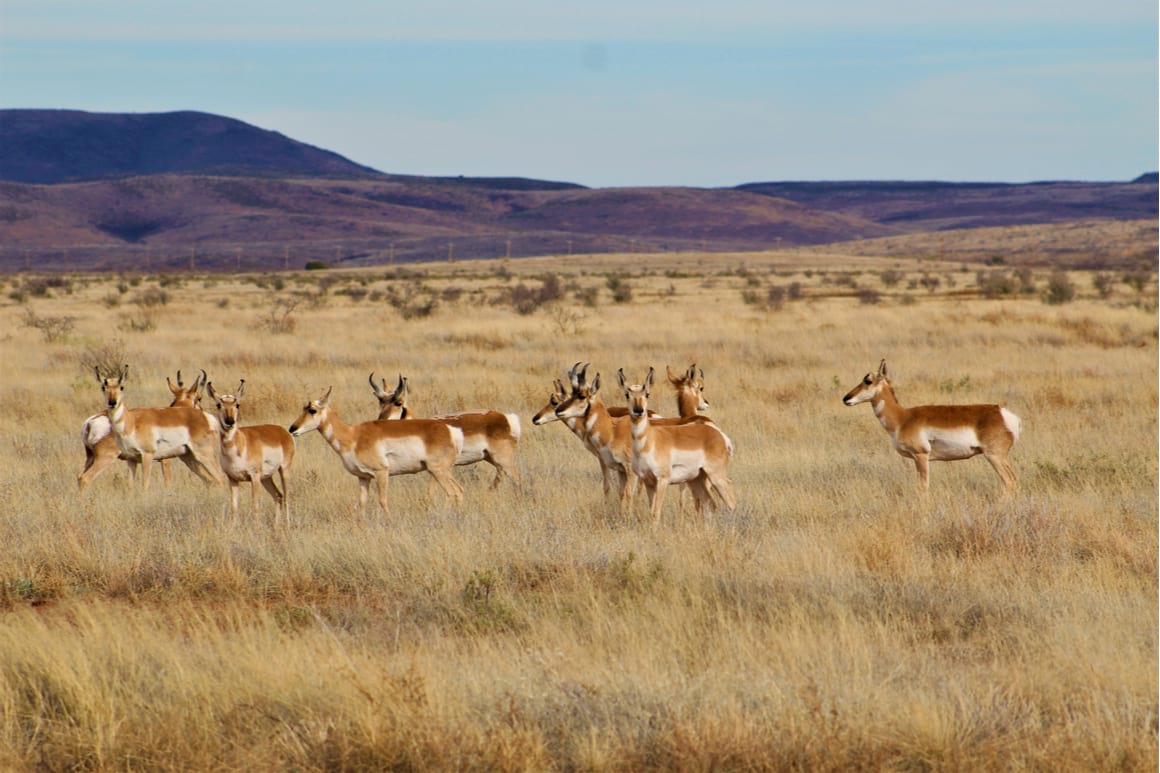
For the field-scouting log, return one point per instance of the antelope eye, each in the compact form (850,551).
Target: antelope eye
(867,381)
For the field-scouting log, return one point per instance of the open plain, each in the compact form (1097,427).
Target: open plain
(836,620)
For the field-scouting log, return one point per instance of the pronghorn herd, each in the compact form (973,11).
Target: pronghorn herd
(632,444)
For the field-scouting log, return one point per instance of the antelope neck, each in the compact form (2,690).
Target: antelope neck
(886,407)
(331,427)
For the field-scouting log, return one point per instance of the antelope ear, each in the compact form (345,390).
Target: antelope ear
(673,378)
(100,378)
(692,374)
(648,381)
(574,376)
(210,392)
(595,387)
(179,383)
(174,389)
(375,387)
(241,389)
(620,379)
(402,388)
(125,373)
(201,379)
(325,399)
(882,369)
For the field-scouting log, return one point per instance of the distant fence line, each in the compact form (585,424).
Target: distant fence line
(249,257)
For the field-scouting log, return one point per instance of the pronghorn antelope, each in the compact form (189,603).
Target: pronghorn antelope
(375,450)
(101,447)
(690,391)
(548,414)
(610,437)
(941,433)
(146,434)
(695,453)
(253,453)
(488,436)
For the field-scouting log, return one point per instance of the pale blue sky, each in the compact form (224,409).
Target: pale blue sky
(609,93)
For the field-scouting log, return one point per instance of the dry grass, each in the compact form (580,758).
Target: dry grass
(834,621)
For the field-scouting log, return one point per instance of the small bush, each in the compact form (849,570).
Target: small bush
(775,297)
(869,296)
(589,296)
(278,317)
(524,299)
(144,321)
(620,288)
(1059,289)
(1103,284)
(993,284)
(890,277)
(152,296)
(750,297)
(315,265)
(54,329)
(1137,280)
(108,358)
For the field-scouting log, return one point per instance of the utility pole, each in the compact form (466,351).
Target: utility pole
(450,252)
(508,254)
(192,259)
(238,265)
(391,254)
(286,258)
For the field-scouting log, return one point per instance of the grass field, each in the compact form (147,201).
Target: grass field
(835,620)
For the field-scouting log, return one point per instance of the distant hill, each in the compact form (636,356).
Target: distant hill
(52,146)
(926,206)
(84,190)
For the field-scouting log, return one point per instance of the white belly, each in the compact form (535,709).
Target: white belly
(687,465)
(474,450)
(948,445)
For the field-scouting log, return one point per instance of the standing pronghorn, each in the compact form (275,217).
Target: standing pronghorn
(941,433)
(375,450)
(253,453)
(488,436)
(548,414)
(610,437)
(695,453)
(146,434)
(101,447)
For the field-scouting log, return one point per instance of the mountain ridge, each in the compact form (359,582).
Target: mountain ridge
(83,187)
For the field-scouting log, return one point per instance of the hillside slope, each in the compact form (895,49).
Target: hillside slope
(51,146)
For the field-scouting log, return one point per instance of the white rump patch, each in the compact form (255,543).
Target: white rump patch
(514,423)
(1013,422)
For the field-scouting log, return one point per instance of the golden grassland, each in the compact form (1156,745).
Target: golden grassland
(836,620)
